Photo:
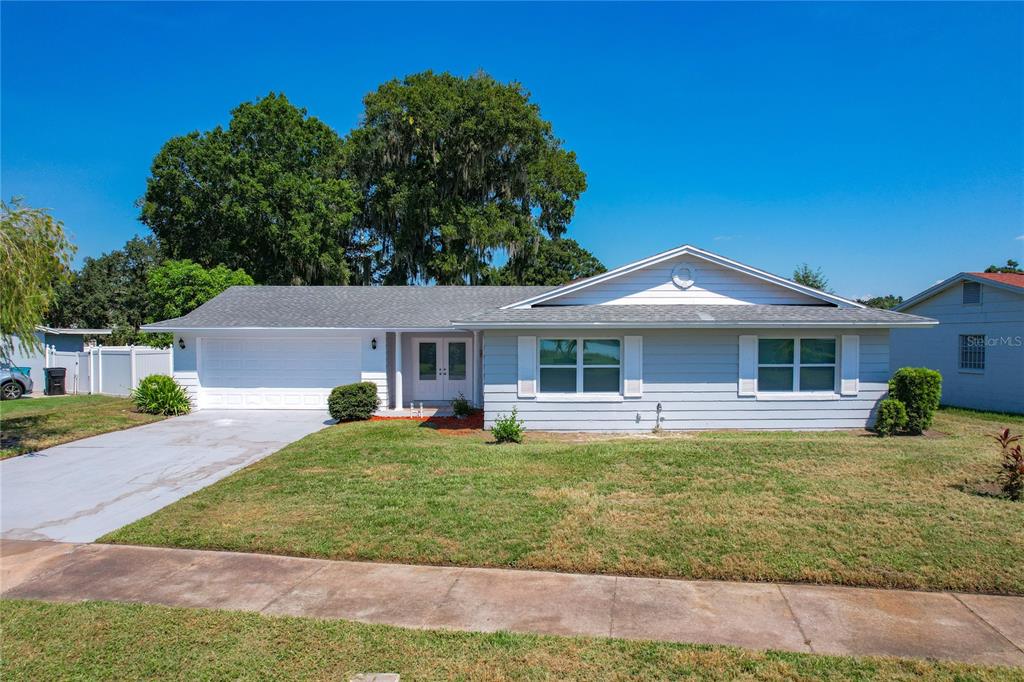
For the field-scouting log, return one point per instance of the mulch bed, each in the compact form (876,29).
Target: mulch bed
(474,422)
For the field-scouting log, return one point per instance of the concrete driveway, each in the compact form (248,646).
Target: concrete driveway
(79,491)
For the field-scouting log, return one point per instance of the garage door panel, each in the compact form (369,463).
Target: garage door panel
(276,373)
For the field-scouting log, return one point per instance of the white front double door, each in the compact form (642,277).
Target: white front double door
(442,369)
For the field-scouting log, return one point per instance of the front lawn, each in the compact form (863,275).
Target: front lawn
(32,424)
(834,507)
(136,642)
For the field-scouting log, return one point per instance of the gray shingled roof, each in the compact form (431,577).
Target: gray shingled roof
(400,307)
(692,316)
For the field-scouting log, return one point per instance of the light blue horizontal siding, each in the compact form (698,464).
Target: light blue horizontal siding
(694,375)
(1000,316)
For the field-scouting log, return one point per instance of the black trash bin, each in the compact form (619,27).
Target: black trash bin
(55,380)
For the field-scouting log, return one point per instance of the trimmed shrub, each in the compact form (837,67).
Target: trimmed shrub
(892,417)
(353,402)
(919,389)
(159,394)
(508,429)
(461,407)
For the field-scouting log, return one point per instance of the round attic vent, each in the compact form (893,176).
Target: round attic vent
(682,276)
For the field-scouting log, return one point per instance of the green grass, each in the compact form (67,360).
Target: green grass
(33,424)
(835,507)
(120,641)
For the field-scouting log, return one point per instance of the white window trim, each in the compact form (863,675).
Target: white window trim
(959,355)
(580,394)
(796,393)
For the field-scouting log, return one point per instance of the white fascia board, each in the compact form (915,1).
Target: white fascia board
(696,325)
(946,283)
(147,328)
(685,249)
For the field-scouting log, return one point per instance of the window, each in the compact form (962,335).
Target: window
(972,351)
(792,365)
(580,365)
(971,293)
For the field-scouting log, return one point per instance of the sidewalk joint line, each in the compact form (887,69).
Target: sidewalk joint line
(985,621)
(447,594)
(611,611)
(286,592)
(792,613)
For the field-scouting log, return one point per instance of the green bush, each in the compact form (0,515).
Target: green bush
(892,417)
(508,429)
(159,394)
(461,407)
(919,389)
(352,402)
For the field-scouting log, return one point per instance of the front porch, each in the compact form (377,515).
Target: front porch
(427,370)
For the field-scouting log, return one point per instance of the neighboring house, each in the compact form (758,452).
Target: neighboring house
(979,343)
(687,336)
(55,338)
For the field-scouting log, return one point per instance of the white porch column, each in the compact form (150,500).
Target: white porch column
(398,370)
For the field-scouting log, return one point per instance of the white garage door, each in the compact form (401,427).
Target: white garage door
(278,373)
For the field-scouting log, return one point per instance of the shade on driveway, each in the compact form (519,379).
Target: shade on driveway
(82,490)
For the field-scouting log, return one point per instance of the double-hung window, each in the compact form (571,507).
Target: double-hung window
(796,365)
(580,365)
(972,351)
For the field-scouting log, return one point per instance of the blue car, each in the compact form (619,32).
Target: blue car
(14,384)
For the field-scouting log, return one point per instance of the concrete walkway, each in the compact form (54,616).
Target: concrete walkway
(806,618)
(79,491)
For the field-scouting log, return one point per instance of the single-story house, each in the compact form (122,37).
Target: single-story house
(65,339)
(978,346)
(686,339)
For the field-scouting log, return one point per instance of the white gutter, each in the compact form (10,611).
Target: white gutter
(695,325)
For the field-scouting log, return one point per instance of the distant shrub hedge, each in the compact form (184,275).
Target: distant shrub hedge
(353,402)
(919,389)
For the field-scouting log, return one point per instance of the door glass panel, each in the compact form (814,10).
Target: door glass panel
(457,360)
(600,352)
(428,361)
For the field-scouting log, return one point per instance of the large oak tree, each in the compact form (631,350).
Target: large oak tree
(267,194)
(451,170)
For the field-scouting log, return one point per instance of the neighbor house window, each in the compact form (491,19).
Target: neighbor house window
(796,365)
(972,351)
(972,293)
(580,365)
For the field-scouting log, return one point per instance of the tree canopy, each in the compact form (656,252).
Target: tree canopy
(1011,267)
(550,263)
(811,277)
(452,169)
(268,195)
(177,287)
(109,291)
(36,257)
(886,302)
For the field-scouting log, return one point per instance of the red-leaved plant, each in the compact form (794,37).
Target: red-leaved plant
(1011,477)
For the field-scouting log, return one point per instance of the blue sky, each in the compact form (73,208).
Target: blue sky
(881,142)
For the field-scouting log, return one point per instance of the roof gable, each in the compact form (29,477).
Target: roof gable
(998,280)
(682,276)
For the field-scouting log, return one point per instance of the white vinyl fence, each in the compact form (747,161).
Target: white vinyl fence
(114,370)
